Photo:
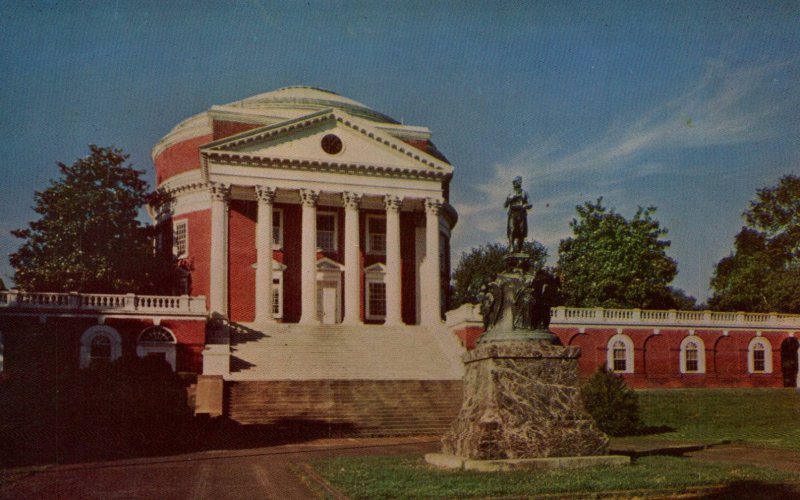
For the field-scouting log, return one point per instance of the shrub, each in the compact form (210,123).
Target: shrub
(613,405)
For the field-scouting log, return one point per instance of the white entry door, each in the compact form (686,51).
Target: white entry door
(328,302)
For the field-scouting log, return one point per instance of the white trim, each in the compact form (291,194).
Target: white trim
(145,348)
(277,289)
(335,216)
(767,349)
(701,354)
(376,273)
(628,345)
(368,245)
(329,271)
(99,331)
(176,224)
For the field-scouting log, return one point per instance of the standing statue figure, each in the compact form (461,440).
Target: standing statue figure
(518,206)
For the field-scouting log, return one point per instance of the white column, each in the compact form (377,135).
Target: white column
(308,257)
(431,286)
(218,286)
(265,197)
(352,261)
(394,302)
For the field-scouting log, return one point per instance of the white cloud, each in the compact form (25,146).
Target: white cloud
(725,107)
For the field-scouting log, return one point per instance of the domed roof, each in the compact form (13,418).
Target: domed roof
(310,98)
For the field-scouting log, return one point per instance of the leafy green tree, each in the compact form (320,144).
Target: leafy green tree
(88,238)
(763,272)
(482,264)
(615,262)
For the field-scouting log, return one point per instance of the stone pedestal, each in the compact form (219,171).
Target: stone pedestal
(521,401)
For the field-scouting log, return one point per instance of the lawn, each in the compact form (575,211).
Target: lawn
(411,477)
(761,417)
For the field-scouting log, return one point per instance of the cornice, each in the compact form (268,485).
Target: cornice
(218,150)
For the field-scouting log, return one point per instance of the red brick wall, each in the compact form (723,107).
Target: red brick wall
(199,250)
(657,356)
(241,257)
(224,128)
(180,157)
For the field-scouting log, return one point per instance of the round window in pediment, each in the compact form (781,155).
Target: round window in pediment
(331,144)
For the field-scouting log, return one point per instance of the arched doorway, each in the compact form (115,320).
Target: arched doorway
(159,342)
(789,362)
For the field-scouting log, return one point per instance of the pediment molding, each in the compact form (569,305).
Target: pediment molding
(415,162)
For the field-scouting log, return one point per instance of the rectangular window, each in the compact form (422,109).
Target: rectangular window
(277,295)
(277,228)
(180,239)
(376,234)
(759,363)
(376,300)
(326,231)
(691,360)
(620,364)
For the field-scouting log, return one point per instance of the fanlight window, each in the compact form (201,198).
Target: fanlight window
(759,356)
(156,334)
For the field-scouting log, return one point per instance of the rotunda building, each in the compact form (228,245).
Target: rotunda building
(303,206)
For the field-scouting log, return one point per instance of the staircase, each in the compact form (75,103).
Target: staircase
(356,380)
(337,352)
(349,407)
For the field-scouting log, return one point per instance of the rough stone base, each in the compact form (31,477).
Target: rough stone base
(453,462)
(521,401)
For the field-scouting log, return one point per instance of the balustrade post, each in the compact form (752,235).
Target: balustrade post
(74,300)
(672,314)
(636,315)
(739,318)
(130,302)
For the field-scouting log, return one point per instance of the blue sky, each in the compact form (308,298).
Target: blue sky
(689,106)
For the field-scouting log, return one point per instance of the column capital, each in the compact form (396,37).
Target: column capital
(265,194)
(392,203)
(309,197)
(433,206)
(219,191)
(351,201)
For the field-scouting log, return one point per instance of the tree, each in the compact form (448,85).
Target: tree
(762,274)
(613,405)
(615,262)
(88,238)
(482,264)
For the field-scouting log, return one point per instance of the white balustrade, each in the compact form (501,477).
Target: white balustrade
(102,303)
(622,317)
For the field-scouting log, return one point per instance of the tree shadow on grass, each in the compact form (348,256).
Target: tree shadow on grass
(755,490)
(648,430)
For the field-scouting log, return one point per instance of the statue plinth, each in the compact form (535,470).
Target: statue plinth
(521,401)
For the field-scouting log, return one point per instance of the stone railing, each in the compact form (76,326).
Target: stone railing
(11,301)
(698,319)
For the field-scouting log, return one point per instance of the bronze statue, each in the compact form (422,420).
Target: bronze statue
(518,205)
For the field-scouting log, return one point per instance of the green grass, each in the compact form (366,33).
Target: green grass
(411,477)
(761,417)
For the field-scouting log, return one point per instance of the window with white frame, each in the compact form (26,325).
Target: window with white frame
(180,238)
(376,234)
(277,228)
(326,231)
(376,300)
(692,355)
(620,354)
(759,359)
(277,297)
(375,292)
(99,344)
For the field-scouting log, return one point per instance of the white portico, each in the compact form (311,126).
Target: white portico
(347,213)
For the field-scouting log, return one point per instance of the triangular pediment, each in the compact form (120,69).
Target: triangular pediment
(328,264)
(329,138)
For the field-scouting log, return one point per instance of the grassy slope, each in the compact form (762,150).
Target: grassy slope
(763,417)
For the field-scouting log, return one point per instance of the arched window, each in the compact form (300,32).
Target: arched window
(620,354)
(693,355)
(759,356)
(159,342)
(100,343)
